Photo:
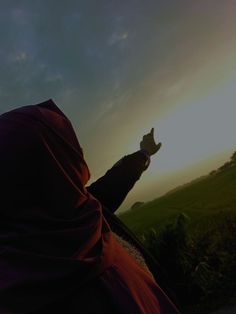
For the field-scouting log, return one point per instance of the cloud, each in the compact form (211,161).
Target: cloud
(117,38)
(19,15)
(176,87)
(57,77)
(19,57)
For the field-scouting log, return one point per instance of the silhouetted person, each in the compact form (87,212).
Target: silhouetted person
(62,250)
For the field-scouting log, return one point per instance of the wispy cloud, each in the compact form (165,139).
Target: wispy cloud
(19,15)
(19,57)
(176,87)
(57,77)
(111,109)
(117,38)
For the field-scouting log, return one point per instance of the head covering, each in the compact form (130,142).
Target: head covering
(52,232)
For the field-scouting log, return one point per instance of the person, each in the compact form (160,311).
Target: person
(62,248)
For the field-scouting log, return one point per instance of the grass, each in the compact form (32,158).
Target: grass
(208,196)
(191,231)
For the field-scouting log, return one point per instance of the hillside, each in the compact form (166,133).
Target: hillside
(201,198)
(191,232)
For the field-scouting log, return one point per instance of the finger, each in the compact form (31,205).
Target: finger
(158,146)
(152,132)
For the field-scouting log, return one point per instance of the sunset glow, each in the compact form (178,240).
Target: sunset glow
(119,69)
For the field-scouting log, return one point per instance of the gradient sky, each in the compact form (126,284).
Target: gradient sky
(119,68)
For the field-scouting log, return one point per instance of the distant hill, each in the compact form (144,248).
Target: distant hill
(200,198)
(182,186)
(136,205)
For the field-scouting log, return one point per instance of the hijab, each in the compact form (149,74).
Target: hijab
(53,236)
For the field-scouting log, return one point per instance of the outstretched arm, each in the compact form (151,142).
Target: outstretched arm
(112,188)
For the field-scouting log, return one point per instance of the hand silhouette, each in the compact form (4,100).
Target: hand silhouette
(148,143)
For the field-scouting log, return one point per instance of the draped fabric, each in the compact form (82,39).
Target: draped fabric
(51,229)
(56,247)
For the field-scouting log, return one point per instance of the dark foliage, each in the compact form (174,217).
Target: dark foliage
(201,262)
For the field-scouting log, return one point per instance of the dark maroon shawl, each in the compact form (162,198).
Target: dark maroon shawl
(53,236)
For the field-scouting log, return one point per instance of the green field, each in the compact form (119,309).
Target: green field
(191,231)
(200,199)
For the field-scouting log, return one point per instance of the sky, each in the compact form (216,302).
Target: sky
(119,68)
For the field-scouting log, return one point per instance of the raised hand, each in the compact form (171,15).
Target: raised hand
(148,143)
